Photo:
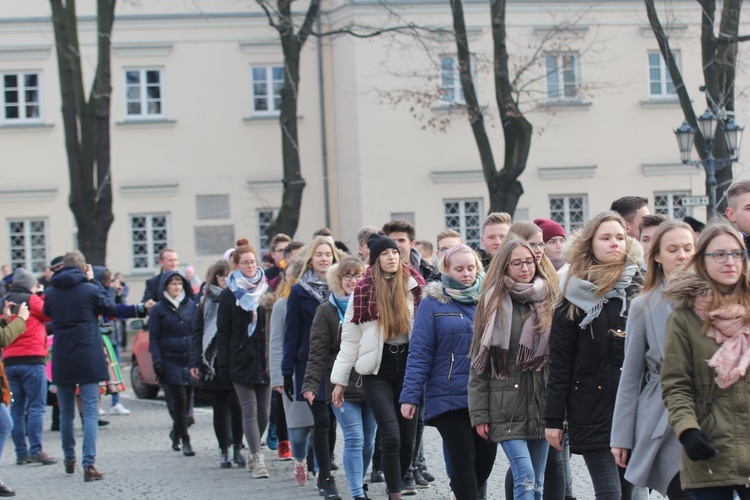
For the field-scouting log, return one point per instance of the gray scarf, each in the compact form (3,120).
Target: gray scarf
(582,294)
(210,309)
(315,286)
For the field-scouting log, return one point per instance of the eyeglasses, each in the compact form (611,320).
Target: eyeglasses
(540,246)
(720,256)
(349,277)
(248,262)
(518,264)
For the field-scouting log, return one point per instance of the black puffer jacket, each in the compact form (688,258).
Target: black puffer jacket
(584,372)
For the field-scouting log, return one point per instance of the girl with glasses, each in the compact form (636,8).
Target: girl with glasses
(642,442)
(355,417)
(704,379)
(587,344)
(510,350)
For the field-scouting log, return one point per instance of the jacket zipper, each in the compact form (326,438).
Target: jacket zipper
(460,315)
(450,370)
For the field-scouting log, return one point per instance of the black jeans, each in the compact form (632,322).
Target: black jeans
(675,491)
(321,444)
(227,424)
(278,417)
(471,457)
(397,434)
(180,397)
(608,479)
(377,453)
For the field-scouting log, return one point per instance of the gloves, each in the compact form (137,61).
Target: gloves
(160,372)
(289,387)
(697,446)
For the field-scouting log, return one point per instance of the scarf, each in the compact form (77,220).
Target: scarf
(316,287)
(365,305)
(729,328)
(174,301)
(582,294)
(465,294)
(247,293)
(210,308)
(340,304)
(533,348)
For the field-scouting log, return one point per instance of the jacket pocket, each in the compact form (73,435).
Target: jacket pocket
(586,403)
(504,403)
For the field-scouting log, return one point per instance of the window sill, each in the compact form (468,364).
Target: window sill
(135,122)
(660,103)
(450,107)
(274,117)
(142,273)
(567,105)
(25,125)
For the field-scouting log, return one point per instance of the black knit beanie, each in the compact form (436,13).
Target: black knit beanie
(377,243)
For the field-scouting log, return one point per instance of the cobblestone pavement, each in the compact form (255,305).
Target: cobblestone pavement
(135,456)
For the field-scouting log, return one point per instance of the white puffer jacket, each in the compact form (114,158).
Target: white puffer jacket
(362,345)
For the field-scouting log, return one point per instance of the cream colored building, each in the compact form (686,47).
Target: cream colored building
(196,143)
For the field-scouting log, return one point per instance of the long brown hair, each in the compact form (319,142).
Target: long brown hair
(655,275)
(217,269)
(526,230)
(499,288)
(391,294)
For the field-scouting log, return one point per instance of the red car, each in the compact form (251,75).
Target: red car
(142,377)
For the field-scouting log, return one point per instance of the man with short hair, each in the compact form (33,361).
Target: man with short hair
(278,244)
(74,302)
(445,240)
(425,248)
(326,233)
(648,226)
(554,237)
(494,230)
(738,207)
(168,261)
(404,234)
(631,208)
(362,248)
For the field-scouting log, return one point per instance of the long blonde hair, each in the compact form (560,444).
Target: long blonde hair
(655,275)
(391,296)
(313,247)
(526,230)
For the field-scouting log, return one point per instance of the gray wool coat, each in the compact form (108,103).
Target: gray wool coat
(298,413)
(640,422)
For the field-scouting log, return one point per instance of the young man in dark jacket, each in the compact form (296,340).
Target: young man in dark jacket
(74,302)
(168,261)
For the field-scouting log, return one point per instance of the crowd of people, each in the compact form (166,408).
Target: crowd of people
(627,342)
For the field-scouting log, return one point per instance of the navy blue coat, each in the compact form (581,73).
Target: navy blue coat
(300,312)
(74,304)
(438,363)
(171,334)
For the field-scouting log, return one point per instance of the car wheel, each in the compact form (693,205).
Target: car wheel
(141,389)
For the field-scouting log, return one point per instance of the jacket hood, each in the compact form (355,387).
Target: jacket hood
(334,284)
(165,276)
(434,289)
(68,277)
(98,272)
(682,288)
(267,300)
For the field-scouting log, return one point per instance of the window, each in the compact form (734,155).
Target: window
(670,204)
(267,83)
(28,244)
(659,80)
(212,206)
(450,80)
(465,217)
(213,240)
(149,234)
(570,211)
(21,97)
(144,91)
(407,216)
(265,218)
(563,80)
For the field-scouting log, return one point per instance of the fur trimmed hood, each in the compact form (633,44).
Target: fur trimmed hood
(434,289)
(334,283)
(682,288)
(267,300)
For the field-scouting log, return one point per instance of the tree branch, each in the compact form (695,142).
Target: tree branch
(306,28)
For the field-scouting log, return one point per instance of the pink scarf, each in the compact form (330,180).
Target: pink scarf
(730,330)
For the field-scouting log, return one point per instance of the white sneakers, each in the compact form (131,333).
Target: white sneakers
(118,409)
(259,466)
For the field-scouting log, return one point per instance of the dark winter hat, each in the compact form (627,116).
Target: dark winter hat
(550,229)
(24,279)
(377,243)
(56,263)
(697,225)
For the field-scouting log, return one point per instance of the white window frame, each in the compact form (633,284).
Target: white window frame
(143,92)
(672,207)
(21,89)
(28,248)
(455,80)
(559,72)
(665,79)
(262,226)
(151,256)
(566,222)
(269,96)
(462,229)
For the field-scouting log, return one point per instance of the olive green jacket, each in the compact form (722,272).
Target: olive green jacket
(10,331)
(695,401)
(513,408)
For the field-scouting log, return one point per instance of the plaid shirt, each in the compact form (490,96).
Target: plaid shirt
(365,307)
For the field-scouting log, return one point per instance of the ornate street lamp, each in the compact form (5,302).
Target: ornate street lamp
(685,137)
(733,133)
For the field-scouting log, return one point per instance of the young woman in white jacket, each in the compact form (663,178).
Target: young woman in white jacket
(375,342)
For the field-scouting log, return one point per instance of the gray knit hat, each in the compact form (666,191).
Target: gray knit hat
(24,279)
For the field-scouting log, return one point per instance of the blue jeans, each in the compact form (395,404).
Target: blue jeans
(28,383)
(528,458)
(299,438)
(66,396)
(608,479)
(6,425)
(358,425)
(721,493)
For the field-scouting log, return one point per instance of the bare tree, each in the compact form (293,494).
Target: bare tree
(86,125)
(719,58)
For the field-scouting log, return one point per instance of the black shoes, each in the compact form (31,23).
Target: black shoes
(238,458)
(225,463)
(419,480)
(328,488)
(377,476)
(175,440)
(5,491)
(187,450)
(408,486)
(425,473)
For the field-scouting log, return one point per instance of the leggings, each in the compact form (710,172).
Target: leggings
(180,396)
(221,400)
(278,416)
(321,444)
(254,401)
(675,491)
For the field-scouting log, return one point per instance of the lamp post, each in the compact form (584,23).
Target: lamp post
(707,124)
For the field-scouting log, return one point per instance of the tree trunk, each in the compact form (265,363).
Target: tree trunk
(86,126)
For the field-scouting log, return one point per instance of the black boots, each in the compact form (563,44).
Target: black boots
(328,489)
(187,450)
(238,458)
(225,463)
(175,440)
